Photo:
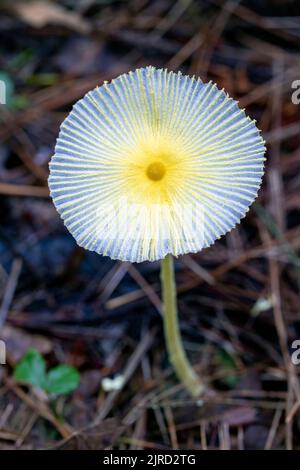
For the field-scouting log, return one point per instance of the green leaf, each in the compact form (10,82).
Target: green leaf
(43,79)
(62,379)
(31,369)
(226,363)
(19,102)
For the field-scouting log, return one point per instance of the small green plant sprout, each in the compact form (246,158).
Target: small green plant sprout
(59,380)
(153,165)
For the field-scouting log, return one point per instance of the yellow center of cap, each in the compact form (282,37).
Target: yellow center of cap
(156,171)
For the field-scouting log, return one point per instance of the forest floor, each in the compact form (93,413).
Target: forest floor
(239,300)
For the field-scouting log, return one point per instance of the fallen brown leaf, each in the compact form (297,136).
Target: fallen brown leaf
(18,342)
(40,13)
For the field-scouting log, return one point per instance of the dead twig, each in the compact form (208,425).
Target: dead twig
(10,288)
(23,190)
